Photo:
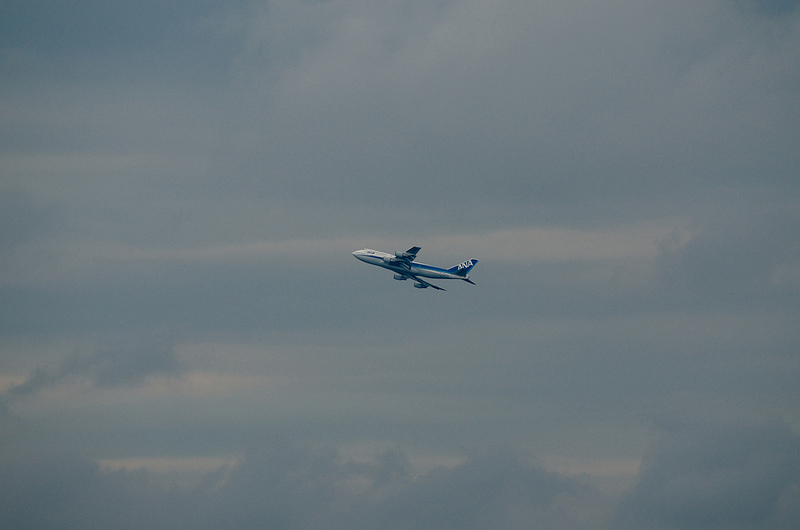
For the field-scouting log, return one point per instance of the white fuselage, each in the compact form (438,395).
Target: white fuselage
(385,260)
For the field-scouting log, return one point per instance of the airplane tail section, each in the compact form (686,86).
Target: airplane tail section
(462,269)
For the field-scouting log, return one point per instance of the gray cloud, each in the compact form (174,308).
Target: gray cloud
(775,7)
(22,218)
(285,486)
(698,477)
(625,171)
(37,381)
(718,476)
(125,365)
(735,259)
(494,490)
(374,106)
(121,364)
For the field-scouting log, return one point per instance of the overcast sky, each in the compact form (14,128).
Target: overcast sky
(186,340)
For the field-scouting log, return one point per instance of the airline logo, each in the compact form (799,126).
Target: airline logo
(464,265)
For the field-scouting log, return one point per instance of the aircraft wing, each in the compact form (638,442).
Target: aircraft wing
(412,253)
(404,259)
(423,282)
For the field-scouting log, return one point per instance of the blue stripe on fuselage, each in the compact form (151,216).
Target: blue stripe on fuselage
(441,273)
(427,267)
(413,265)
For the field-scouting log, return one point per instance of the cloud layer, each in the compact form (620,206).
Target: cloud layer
(181,187)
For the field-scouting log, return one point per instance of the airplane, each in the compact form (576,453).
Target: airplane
(404,267)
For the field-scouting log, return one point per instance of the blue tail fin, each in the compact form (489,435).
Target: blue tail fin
(462,269)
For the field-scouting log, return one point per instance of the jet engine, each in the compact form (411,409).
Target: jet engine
(400,277)
(419,285)
(404,255)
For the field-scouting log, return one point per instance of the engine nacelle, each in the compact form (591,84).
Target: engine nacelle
(419,285)
(388,259)
(400,277)
(403,255)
